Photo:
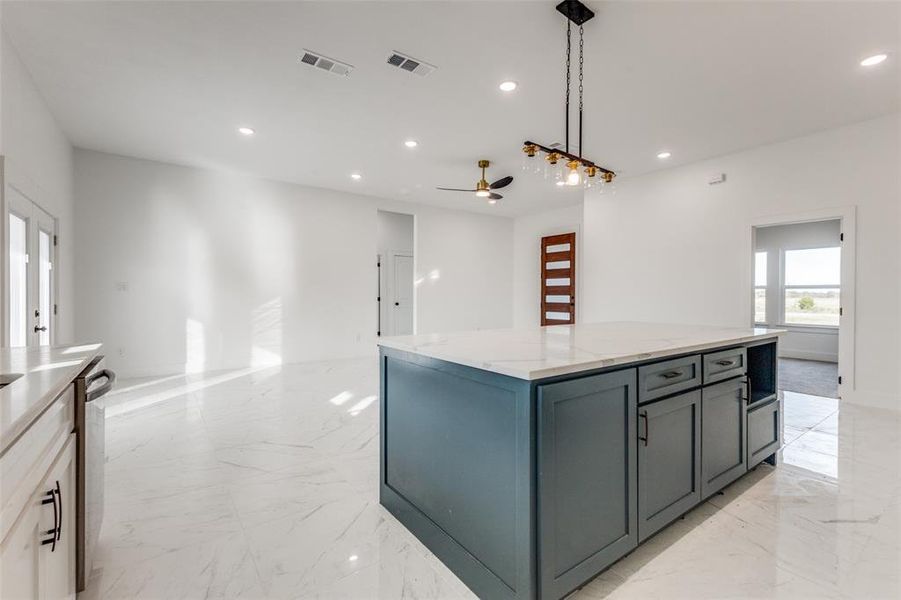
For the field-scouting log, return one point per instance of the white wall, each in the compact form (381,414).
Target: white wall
(182,268)
(670,247)
(38,163)
(811,343)
(527,233)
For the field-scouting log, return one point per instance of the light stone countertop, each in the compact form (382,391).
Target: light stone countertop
(540,352)
(46,372)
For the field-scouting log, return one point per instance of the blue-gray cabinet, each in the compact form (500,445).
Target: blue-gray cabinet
(764,431)
(669,460)
(587,477)
(723,434)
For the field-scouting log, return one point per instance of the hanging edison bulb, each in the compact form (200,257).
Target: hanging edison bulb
(590,179)
(550,168)
(573,175)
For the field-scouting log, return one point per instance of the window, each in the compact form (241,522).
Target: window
(760,287)
(18,281)
(812,289)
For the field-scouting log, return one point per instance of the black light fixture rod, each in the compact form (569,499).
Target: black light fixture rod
(584,161)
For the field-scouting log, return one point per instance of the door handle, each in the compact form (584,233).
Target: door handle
(37,329)
(50,498)
(647,432)
(397,304)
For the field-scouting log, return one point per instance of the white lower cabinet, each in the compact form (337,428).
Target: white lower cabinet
(38,554)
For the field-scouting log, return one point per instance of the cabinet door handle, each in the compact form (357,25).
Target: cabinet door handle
(50,497)
(59,527)
(647,431)
(725,363)
(748,385)
(670,374)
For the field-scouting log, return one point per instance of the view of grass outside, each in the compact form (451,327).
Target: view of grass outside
(760,305)
(817,306)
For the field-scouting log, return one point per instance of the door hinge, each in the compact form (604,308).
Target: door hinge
(54,309)
(55,240)
(378,334)
(839,379)
(840,311)
(379,299)
(841,237)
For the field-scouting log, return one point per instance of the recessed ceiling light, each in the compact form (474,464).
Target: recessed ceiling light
(664,154)
(492,201)
(507,86)
(874,60)
(356,176)
(246,131)
(411,143)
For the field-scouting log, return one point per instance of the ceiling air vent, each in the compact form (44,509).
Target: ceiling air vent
(413,65)
(326,64)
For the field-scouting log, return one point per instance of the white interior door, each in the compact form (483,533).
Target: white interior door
(32,254)
(403,294)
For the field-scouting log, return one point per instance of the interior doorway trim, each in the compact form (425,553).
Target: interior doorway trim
(847,215)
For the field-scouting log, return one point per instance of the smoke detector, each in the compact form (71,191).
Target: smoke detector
(410,64)
(325,63)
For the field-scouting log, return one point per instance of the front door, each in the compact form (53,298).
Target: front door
(32,254)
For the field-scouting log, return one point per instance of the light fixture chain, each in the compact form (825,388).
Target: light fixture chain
(581,64)
(568,69)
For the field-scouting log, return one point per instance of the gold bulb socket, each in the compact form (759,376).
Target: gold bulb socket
(574,164)
(608,177)
(553,157)
(531,150)
(591,171)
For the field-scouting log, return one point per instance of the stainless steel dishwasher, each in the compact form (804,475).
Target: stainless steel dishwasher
(91,384)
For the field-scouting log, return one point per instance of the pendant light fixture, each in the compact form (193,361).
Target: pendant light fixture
(573,170)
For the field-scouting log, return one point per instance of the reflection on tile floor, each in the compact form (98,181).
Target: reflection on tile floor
(263,484)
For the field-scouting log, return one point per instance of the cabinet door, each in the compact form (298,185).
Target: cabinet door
(723,435)
(19,556)
(669,455)
(587,477)
(56,565)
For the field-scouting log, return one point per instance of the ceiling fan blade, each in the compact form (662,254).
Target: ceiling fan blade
(494,196)
(502,182)
(454,190)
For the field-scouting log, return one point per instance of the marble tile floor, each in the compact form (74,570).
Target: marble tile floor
(262,483)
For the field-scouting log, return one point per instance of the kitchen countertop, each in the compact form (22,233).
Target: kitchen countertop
(46,371)
(540,352)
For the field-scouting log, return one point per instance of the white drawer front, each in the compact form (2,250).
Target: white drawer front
(26,462)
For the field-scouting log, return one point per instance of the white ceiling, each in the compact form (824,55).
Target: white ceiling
(173,80)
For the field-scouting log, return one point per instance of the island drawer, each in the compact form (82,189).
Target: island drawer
(725,364)
(24,463)
(668,377)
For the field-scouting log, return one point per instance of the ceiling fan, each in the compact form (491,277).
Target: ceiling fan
(483,188)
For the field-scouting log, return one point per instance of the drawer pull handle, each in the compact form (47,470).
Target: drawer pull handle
(725,363)
(670,374)
(50,498)
(647,432)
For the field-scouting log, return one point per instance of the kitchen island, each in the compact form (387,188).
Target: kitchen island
(530,460)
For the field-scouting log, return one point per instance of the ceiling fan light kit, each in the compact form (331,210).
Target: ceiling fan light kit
(575,170)
(483,188)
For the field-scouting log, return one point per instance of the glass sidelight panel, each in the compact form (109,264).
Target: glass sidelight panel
(45,265)
(18,281)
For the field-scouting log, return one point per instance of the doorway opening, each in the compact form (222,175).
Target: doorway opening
(799,285)
(396,297)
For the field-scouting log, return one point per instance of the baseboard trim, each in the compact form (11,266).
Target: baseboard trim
(821,356)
